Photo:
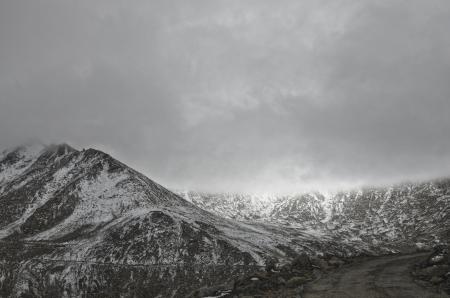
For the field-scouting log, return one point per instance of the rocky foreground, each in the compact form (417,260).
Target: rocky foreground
(275,280)
(389,276)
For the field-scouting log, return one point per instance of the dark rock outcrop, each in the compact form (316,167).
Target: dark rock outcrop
(435,270)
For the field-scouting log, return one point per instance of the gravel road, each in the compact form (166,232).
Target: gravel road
(382,277)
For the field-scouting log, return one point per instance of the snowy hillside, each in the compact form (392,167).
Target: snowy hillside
(75,222)
(396,216)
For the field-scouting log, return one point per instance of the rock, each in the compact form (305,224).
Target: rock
(301,262)
(437,259)
(440,255)
(286,272)
(435,270)
(271,265)
(421,246)
(335,262)
(296,281)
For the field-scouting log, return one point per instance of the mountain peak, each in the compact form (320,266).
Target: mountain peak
(60,149)
(34,149)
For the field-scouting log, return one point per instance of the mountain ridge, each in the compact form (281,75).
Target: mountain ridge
(70,219)
(386,209)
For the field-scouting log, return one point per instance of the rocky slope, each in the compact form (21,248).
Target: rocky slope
(76,223)
(397,217)
(304,209)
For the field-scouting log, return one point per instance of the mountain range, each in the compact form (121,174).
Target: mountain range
(404,214)
(79,223)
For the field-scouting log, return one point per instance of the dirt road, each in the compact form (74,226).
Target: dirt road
(382,277)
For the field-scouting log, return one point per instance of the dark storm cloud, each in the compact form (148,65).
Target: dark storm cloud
(259,96)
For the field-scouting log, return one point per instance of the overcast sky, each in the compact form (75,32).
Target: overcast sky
(252,96)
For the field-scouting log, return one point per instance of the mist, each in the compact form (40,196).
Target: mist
(241,96)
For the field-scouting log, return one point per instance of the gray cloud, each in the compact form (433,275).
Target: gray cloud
(257,96)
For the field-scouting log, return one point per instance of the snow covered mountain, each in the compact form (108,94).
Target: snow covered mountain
(76,223)
(397,216)
(301,209)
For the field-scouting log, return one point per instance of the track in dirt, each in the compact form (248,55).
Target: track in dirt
(382,277)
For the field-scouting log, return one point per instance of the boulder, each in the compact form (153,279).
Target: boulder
(271,265)
(438,259)
(301,262)
(440,255)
